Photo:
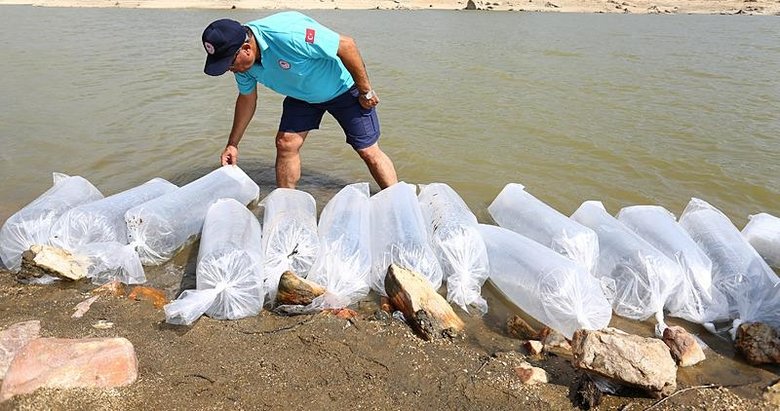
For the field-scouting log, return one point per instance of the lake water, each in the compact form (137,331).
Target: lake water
(623,109)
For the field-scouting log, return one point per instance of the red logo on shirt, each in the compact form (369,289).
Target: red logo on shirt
(310,36)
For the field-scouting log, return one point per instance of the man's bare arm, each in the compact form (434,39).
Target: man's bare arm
(245,109)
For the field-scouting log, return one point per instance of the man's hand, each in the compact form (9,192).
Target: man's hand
(368,103)
(230,155)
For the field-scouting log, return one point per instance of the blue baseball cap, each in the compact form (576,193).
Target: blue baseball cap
(222,39)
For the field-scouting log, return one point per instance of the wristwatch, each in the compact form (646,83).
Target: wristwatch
(369,95)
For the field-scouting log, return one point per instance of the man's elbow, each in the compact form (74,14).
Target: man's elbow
(346,45)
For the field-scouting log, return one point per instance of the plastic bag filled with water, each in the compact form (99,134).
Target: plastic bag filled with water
(546,285)
(162,226)
(763,233)
(32,224)
(230,268)
(399,236)
(644,278)
(290,240)
(98,230)
(344,258)
(697,300)
(457,243)
(737,270)
(517,210)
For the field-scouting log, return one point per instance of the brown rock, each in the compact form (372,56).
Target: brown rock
(518,328)
(294,290)
(683,346)
(530,375)
(111,289)
(66,363)
(13,339)
(385,305)
(427,312)
(42,260)
(627,359)
(153,295)
(343,313)
(759,343)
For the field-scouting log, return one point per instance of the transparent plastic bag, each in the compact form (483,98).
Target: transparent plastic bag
(344,259)
(738,271)
(161,227)
(290,240)
(763,233)
(398,236)
(548,286)
(697,300)
(104,220)
(229,271)
(517,210)
(97,230)
(457,244)
(32,224)
(644,277)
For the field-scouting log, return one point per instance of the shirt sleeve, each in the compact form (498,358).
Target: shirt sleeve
(246,83)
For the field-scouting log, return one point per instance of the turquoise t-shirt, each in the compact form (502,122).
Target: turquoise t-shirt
(298,59)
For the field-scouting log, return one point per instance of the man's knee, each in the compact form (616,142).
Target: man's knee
(371,153)
(287,142)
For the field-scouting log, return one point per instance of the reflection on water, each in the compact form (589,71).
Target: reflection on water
(624,109)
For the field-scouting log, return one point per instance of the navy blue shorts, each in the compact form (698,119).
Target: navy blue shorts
(361,126)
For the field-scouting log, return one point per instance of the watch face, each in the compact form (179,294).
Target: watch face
(369,95)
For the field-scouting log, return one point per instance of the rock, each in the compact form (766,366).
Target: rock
(83,307)
(534,347)
(759,343)
(111,289)
(343,313)
(103,325)
(772,394)
(470,5)
(517,327)
(41,260)
(427,312)
(530,375)
(13,339)
(553,5)
(294,290)
(66,363)
(627,359)
(385,305)
(683,346)
(555,343)
(153,295)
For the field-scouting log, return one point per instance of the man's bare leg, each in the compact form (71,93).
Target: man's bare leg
(288,158)
(380,165)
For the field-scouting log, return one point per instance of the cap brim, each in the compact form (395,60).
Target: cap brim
(217,66)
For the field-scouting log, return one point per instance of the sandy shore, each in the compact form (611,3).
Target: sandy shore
(757,7)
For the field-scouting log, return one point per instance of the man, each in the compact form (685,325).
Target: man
(316,68)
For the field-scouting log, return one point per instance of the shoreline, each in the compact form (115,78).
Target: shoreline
(722,7)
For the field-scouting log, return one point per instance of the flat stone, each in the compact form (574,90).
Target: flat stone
(530,375)
(555,343)
(13,339)
(683,346)
(628,359)
(153,295)
(759,343)
(83,307)
(71,363)
(41,260)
